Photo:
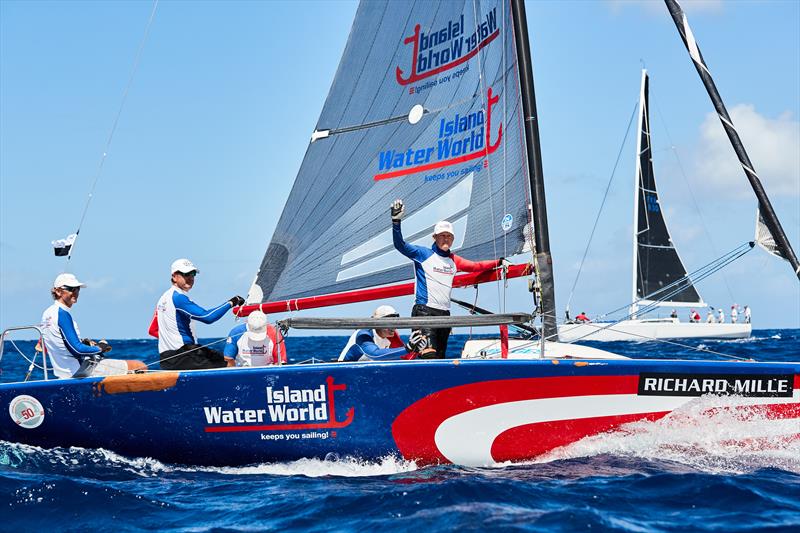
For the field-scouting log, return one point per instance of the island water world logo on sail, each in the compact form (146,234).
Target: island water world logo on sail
(446,47)
(287,408)
(460,139)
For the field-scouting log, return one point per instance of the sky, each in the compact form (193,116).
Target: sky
(219,114)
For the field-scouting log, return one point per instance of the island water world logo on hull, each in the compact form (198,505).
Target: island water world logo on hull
(445,47)
(26,411)
(287,409)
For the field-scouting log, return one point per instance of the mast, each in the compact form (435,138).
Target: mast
(544,260)
(765,207)
(636,181)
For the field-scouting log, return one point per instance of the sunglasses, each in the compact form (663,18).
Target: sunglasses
(191,274)
(70,289)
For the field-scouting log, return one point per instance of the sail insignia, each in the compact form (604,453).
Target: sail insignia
(425,106)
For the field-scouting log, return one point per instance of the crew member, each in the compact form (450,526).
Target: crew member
(382,343)
(582,318)
(747,314)
(720,316)
(434,270)
(734,314)
(256,343)
(175,314)
(62,337)
(710,317)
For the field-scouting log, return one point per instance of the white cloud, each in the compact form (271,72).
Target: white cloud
(772,144)
(657,6)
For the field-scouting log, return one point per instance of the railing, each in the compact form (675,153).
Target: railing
(31,361)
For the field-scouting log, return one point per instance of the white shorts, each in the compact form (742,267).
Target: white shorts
(110,367)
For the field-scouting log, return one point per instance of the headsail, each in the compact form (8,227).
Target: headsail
(767,224)
(463,160)
(656,264)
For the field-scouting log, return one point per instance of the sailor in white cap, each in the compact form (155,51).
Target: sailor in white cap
(434,270)
(62,339)
(176,315)
(382,343)
(256,343)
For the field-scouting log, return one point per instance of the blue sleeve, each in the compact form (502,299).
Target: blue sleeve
(366,345)
(206,316)
(70,336)
(231,348)
(416,253)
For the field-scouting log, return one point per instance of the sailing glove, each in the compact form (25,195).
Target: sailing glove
(236,301)
(398,210)
(104,346)
(417,342)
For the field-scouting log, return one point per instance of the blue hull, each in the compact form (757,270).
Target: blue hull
(467,412)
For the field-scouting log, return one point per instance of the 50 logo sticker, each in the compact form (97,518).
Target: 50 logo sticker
(26,411)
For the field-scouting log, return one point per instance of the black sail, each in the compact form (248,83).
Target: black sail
(657,264)
(463,160)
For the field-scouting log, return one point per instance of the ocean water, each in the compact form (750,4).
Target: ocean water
(693,472)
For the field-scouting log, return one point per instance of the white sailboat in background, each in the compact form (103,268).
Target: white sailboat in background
(659,278)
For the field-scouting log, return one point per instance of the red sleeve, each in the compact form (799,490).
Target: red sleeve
(278,344)
(465,265)
(395,341)
(153,329)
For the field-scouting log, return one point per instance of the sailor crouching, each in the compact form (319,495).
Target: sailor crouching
(68,354)
(382,343)
(256,343)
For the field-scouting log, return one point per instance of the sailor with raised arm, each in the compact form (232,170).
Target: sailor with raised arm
(176,313)
(62,342)
(434,270)
(382,343)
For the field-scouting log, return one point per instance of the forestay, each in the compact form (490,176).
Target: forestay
(463,159)
(657,265)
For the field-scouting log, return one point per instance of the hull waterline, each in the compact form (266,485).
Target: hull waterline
(456,411)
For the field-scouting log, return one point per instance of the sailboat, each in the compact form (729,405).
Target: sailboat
(659,278)
(432,103)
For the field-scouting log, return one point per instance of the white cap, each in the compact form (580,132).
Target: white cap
(67,280)
(183,266)
(443,226)
(385,311)
(257,326)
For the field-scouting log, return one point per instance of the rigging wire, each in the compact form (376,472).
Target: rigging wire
(114,126)
(668,291)
(602,205)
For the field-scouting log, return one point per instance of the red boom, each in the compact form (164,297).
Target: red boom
(365,295)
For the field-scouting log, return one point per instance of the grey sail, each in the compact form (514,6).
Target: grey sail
(462,160)
(658,270)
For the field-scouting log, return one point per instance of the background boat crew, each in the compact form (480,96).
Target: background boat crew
(710,317)
(720,316)
(747,314)
(734,314)
(175,315)
(256,343)
(582,318)
(673,314)
(694,316)
(62,336)
(434,270)
(382,343)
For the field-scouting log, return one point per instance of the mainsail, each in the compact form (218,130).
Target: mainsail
(658,273)
(425,106)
